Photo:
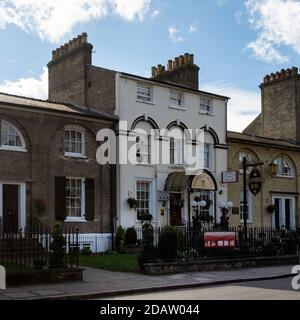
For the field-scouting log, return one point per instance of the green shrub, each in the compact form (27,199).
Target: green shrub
(148,251)
(57,247)
(120,234)
(130,236)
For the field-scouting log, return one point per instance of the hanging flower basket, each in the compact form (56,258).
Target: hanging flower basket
(132,203)
(271,208)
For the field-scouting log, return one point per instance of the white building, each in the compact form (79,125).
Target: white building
(170,100)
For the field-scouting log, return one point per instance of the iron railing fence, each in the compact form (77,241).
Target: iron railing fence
(187,243)
(34,247)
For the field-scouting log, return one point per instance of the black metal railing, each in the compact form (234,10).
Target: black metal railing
(33,247)
(187,243)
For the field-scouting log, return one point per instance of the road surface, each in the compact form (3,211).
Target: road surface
(278,289)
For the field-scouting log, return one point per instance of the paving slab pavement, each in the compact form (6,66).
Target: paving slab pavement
(103,283)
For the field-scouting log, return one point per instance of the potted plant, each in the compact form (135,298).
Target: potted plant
(271,208)
(132,203)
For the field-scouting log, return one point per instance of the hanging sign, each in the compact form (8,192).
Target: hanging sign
(255,181)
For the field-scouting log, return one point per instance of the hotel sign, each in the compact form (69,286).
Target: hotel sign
(163,196)
(255,181)
(230,177)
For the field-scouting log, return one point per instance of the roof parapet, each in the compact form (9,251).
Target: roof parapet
(70,46)
(280,75)
(178,62)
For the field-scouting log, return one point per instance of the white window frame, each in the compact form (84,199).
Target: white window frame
(172,99)
(21,148)
(152,200)
(209,156)
(143,154)
(249,203)
(143,98)
(206,108)
(280,162)
(75,154)
(82,217)
(282,210)
(177,158)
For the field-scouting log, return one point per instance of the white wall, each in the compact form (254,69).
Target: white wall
(128,109)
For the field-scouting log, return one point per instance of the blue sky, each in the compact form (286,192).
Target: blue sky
(235,42)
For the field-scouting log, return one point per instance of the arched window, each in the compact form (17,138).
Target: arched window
(250,158)
(11,138)
(142,131)
(74,141)
(176,135)
(205,143)
(283,167)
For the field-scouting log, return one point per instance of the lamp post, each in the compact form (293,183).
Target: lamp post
(245,206)
(197,205)
(225,208)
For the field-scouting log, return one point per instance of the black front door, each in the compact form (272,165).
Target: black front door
(10,207)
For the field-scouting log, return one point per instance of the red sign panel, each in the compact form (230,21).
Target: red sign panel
(219,239)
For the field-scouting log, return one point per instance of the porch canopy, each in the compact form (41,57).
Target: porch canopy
(178,181)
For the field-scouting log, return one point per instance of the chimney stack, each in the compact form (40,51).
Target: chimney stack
(181,70)
(67,70)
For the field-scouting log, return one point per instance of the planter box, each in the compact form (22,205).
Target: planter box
(219,264)
(43,276)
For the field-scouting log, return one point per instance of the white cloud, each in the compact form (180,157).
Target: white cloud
(192,29)
(277,23)
(174,34)
(53,19)
(28,87)
(221,2)
(243,107)
(155,13)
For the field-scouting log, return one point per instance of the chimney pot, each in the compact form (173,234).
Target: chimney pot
(294,71)
(186,58)
(181,61)
(170,65)
(159,67)
(176,62)
(84,37)
(153,71)
(192,59)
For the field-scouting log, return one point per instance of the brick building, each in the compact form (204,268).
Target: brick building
(273,138)
(48,167)
(171,100)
